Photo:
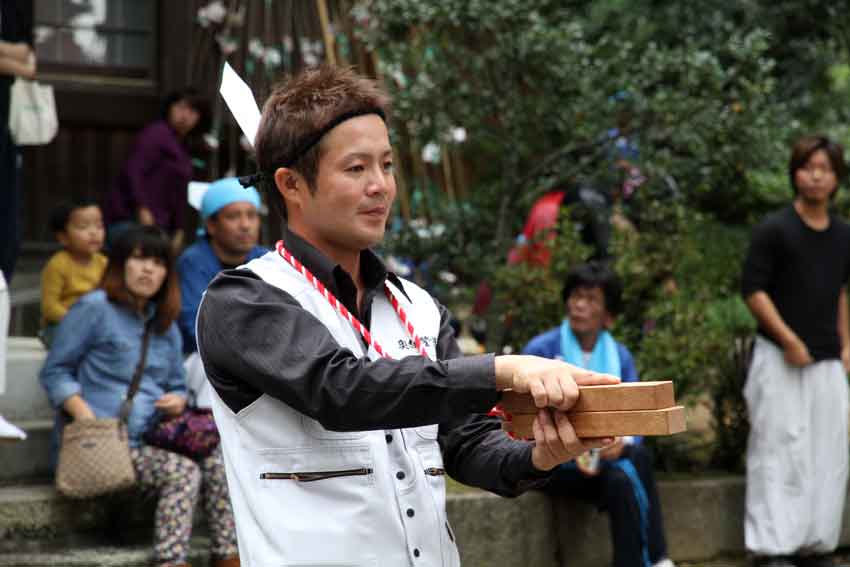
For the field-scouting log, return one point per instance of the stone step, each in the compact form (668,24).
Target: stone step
(27,460)
(24,398)
(93,553)
(704,519)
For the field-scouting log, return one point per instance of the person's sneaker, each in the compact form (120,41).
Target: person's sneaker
(666,562)
(9,432)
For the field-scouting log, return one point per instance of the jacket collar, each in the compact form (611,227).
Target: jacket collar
(334,277)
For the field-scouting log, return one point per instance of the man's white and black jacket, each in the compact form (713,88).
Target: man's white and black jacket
(334,455)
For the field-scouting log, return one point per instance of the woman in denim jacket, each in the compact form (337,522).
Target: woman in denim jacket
(96,349)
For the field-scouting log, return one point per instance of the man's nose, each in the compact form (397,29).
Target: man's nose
(378,182)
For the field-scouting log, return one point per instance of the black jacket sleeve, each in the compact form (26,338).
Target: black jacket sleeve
(255,338)
(475,449)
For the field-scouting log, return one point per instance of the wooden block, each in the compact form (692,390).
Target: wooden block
(611,423)
(613,397)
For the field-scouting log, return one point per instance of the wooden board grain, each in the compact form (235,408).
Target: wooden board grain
(613,397)
(666,421)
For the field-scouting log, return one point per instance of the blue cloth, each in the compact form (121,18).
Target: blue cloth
(225,192)
(548,345)
(197,267)
(605,357)
(642,500)
(95,351)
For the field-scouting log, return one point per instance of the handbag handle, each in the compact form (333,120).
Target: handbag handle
(137,375)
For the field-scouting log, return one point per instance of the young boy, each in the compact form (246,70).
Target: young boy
(621,478)
(75,270)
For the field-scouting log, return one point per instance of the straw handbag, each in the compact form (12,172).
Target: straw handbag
(95,455)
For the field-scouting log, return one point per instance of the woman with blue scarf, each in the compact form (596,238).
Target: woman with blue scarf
(620,477)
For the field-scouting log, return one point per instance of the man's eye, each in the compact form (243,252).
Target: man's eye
(388,166)
(355,168)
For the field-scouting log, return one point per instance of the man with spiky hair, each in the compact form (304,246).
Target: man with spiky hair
(339,390)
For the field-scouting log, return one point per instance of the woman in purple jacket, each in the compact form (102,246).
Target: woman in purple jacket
(151,188)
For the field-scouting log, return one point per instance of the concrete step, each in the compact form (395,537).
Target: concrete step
(27,460)
(704,519)
(94,553)
(24,398)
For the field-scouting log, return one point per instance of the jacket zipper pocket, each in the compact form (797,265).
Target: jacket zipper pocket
(434,471)
(313,476)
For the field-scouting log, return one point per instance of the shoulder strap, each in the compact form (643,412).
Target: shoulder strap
(137,375)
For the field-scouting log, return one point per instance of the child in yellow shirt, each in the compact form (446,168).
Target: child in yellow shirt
(78,268)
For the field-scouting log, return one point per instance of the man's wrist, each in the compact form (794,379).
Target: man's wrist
(504,372)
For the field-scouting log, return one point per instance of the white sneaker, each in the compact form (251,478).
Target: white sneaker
(9,432)
(666,562)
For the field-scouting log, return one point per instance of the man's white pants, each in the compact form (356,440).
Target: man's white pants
(797,454)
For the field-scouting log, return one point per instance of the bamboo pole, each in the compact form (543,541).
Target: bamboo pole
(330,50)
(447,173)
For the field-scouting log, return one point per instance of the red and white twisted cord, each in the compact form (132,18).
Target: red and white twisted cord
(341,309)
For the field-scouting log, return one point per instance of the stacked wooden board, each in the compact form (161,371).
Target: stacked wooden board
(630,408)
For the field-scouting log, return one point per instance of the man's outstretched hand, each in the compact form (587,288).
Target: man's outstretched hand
(552,383)
(555,440)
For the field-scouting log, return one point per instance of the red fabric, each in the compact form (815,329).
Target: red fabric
(542,217)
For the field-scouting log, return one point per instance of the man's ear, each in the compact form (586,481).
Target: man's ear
(609,320)
(63,239)
(291,186)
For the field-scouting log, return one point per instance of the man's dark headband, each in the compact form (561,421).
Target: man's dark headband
(308,142)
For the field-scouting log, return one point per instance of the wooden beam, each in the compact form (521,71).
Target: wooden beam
(614,397)
(610,423)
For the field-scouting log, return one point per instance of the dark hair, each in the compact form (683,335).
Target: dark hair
(596,274)
(298,108)
(808,145)
(150,242)
(193,98)
(61,213)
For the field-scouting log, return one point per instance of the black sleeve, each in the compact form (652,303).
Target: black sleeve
(475,450)
(255,338)
(761,260)
(24,24)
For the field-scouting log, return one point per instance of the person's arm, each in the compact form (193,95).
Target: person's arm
(52,282)
(843,329)
(18,51)
(193,281)
(764,310)
(146,155)
(758,273)
(173,402)
(255,338)
(73,339)
(25,70)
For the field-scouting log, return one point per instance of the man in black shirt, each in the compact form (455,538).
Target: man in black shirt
(336,454)
(794,283)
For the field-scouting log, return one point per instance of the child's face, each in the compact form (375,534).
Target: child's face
(84,232)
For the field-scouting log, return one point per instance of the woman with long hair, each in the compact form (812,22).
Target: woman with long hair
(96,349)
